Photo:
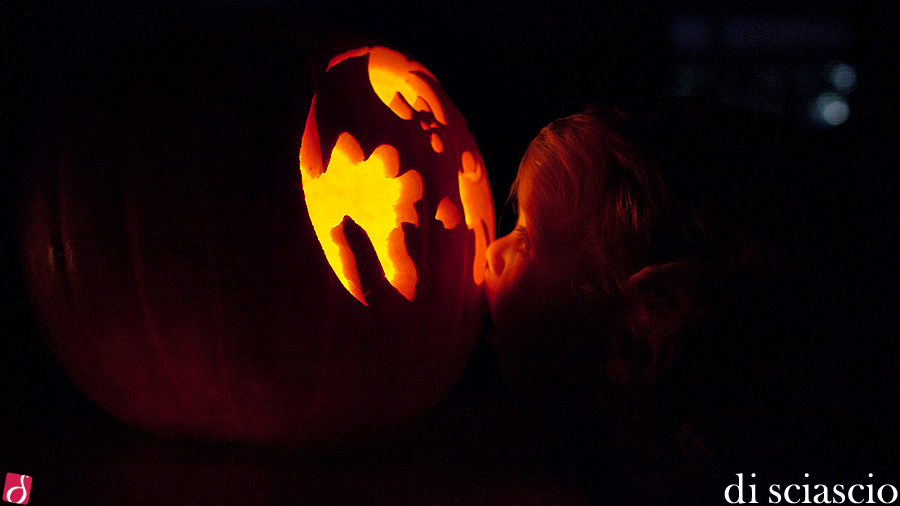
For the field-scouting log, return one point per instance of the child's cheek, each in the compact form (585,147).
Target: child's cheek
(524,297)
(504,291)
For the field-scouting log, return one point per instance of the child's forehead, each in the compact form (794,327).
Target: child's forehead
(524,185)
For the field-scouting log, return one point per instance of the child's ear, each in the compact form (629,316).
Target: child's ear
(659,300)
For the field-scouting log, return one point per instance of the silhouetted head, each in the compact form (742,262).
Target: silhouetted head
(642,250)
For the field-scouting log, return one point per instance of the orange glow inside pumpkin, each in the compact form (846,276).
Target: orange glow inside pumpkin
(436,143)
(392,74)
(475,194)
(370,193)
(447,214)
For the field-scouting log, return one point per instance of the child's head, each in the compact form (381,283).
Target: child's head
(636,289)
(593,213)
(629,230)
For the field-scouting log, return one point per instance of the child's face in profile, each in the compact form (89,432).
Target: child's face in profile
(538,335)
(525,279)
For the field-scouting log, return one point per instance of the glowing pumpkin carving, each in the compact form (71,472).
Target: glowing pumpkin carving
(371,191)
(192,280)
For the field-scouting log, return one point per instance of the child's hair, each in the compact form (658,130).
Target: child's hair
(594,189)
(637,189)
(625,190)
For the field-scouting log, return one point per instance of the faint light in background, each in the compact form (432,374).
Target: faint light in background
(842,76)
(785,33)
(688,80)
(832,108)
(781,63)
(691,34)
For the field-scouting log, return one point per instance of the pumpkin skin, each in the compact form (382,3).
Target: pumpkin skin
(174,267)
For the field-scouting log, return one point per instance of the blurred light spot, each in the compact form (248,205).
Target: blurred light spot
(832,108)
(842,76)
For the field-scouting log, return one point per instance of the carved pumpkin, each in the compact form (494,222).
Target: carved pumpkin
(192,280)
(389,188)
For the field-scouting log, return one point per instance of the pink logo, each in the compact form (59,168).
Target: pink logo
(17,488)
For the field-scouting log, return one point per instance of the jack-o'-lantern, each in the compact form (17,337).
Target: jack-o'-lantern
(213,252)
(439,174)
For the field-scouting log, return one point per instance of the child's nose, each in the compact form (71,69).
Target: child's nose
(496,254)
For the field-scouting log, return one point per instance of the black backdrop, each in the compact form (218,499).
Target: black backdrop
(510,69)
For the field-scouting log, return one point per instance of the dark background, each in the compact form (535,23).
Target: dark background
(510,69)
